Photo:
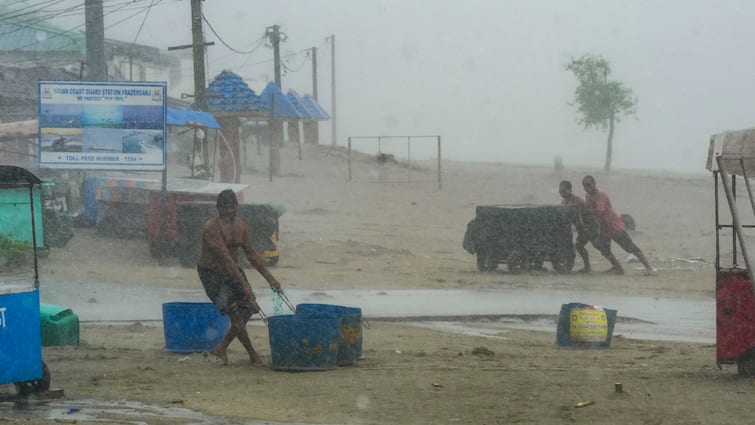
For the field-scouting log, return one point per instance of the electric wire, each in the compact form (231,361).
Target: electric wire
(69,31)
(141,27)
(204,18)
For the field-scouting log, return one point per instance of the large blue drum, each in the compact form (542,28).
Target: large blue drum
(301,343)
(350,343)
(193,327)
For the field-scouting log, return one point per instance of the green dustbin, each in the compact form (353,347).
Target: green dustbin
(60,325)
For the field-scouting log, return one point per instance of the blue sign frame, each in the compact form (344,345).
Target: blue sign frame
(102,125)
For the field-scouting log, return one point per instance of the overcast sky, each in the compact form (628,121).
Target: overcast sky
(488,76)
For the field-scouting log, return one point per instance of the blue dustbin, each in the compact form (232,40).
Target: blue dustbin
(303,343)
(350,344)
(193,327)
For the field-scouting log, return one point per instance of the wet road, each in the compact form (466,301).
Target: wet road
(477,312)
(469,311)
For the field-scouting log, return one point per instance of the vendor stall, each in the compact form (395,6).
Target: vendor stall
(20,337)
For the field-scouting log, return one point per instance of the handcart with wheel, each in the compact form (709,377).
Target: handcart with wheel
(20,336)
(522,236)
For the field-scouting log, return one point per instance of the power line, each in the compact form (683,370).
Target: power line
(69,31)
(298,68)
(63,12)
(146,15)
(270,60)
(259,43)
(10,15)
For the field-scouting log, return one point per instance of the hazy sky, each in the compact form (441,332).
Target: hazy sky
(488,76)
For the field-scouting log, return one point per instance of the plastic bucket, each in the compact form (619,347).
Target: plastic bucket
(350,342)
(302,343)
(193,327)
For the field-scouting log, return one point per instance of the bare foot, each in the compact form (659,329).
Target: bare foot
(222,355)
(615,270)
(651,271)
(257,360)
(584,270)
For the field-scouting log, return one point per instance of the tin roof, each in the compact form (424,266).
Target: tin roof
(229,93)
(10,174)
(317,111)
(278,102)
(298,103)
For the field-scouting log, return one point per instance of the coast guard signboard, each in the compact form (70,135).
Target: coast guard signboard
(102,125)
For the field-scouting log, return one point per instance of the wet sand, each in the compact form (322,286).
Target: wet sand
(381,232)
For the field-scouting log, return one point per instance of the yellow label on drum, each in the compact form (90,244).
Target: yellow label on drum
(349,334)
(588,325)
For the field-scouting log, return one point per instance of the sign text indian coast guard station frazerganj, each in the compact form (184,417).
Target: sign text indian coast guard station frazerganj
(92,125)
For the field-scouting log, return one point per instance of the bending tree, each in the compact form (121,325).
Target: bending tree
(600,101)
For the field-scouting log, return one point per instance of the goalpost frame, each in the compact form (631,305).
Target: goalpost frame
(379,140)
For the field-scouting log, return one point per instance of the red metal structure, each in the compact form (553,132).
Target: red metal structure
(731,155)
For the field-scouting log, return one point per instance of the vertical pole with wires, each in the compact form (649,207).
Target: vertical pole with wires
(197,43)
(276,127)
(334,136)
(315,124)
(96,68)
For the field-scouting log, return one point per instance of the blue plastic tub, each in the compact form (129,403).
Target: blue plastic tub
(192,327)
(350,343)
(301,343)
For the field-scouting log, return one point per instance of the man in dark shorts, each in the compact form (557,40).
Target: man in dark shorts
(610,228)
(583,222)
(224,281)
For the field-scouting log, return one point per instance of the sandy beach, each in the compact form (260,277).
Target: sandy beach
(392,227)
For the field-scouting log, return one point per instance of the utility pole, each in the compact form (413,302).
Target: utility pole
(333,89)
(197,42)
(275,38)
(198,45)
(314,73)
(95,39)
(276,126)
(315,125)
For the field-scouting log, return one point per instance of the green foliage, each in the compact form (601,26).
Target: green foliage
(14,253)
(599,100)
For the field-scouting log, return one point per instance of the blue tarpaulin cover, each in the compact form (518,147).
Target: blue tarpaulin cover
(187,117)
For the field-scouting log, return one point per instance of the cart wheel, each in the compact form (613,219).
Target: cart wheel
(486,261)
(35,385)
(536,263)
(562,263)
(517,262)
(746,364)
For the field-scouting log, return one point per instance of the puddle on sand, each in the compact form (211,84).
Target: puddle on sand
(124,412)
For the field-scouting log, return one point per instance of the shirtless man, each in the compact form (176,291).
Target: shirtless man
(611,228)
(224,281)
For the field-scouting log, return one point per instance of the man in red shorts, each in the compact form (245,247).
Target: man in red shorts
(610,227)
(224,281)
